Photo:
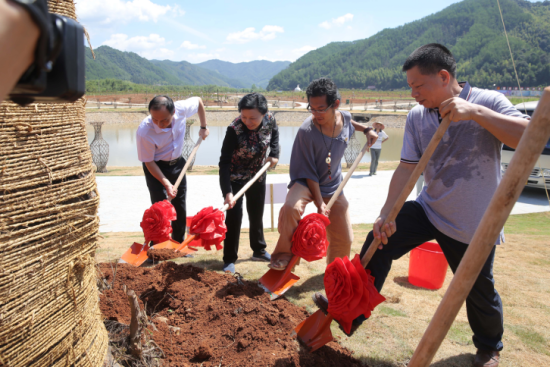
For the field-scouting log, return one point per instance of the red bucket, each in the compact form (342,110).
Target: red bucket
(427,266)
(194,243)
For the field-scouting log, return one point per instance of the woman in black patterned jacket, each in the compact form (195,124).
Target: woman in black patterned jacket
(243,154)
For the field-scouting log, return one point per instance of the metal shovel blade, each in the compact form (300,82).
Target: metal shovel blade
(314,332)
(277,282)
(136,255)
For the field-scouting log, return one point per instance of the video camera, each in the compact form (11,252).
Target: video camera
(58,72)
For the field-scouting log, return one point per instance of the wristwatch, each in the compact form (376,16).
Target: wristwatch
(366,131)
(204,127)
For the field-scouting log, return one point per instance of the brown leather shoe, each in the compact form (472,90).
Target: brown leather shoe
(486,358)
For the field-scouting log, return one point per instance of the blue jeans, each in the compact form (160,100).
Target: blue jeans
(483,305)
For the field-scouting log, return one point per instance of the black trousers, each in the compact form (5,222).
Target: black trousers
(483,305)
(255,202)
(158,193)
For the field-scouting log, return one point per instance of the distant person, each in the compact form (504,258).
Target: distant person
(376,148)
(461,178)
(160,138)
(316,172)
(244,153)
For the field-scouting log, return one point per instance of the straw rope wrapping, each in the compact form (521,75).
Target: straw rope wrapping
(49,310)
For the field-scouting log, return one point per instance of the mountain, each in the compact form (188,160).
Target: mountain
(114,64)
(194,75)
(471,29)
(253,72)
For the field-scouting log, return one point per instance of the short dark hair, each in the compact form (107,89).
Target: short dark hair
(254,101)
(323,87)
(431,59)
(162,101)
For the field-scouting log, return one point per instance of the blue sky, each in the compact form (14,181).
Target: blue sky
(243,30)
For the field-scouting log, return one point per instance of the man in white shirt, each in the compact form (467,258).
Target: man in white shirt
(160,139)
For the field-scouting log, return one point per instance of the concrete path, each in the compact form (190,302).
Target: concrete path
(124,199)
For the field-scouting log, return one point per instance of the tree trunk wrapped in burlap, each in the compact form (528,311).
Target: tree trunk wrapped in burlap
(49,311)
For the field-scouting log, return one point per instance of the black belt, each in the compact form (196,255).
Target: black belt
(170,163)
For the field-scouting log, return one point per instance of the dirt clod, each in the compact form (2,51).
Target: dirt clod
(233,319)
(163,254)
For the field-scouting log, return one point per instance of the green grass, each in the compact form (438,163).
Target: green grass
(460,333)
(390,311)
(529,224)
(531,338)
(518,100)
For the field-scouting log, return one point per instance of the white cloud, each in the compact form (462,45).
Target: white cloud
(203,56)
(337,22)
(177,11)
(267,33)
(159,54)
(190,46)
(303,50)
(150,47)
(120,11)
(122,42)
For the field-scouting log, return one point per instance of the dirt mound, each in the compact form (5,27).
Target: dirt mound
(163,254)
(202,317)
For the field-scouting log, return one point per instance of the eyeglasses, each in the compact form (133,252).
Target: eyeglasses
(311,110)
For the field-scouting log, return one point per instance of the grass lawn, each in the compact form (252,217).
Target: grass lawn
(389,338)
(213,170)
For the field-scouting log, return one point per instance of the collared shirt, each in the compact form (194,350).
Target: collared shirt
(244,151)
(156,144)
(310,151)
(464,170)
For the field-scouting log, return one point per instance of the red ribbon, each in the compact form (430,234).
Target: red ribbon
(209,224)
(156,222)
(309,241)
(350,291)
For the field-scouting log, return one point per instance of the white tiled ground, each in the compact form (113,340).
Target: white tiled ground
(124,199)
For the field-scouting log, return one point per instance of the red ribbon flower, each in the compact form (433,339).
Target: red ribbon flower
(310,238)
(209,224)
(156,222)
(350,291)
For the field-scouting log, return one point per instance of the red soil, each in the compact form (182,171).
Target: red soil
(210,319)
(163,254)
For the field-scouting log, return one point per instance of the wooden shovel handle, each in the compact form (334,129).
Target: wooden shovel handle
(426,156)
(248,184)
(348,175)
(528,151)
(188,163)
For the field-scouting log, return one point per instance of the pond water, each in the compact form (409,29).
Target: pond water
(123,151)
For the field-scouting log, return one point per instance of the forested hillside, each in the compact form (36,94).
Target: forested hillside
(257,72)
(472,29)
(114,64)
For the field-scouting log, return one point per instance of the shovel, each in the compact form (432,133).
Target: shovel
(193,237)
(276,282)
(137,253)
(409,186)
(314,332)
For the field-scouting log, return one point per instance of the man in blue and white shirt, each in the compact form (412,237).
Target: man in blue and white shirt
(160,138)
(461,178)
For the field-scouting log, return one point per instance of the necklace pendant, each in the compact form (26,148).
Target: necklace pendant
(328,160)
(329,154)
